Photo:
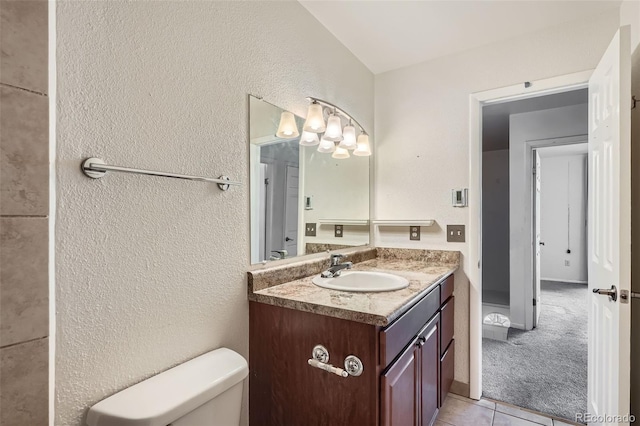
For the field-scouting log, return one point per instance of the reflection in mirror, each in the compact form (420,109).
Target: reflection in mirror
(303,201)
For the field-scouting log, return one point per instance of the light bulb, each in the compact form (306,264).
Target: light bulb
(349,134)
(334,129)
(326,146)
(363,149)
(315,119)
(340,153)
(287,128)
(309,139)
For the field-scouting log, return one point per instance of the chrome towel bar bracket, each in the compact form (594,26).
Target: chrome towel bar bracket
(96,168)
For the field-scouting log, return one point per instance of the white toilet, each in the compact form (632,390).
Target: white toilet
(205,391)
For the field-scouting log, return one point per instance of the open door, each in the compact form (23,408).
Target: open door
(609,236)
(538,243)
(291,211)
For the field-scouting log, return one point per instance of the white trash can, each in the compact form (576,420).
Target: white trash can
(496,326)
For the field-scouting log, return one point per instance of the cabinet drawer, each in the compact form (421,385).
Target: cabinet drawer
(446,371)
(446,324)
(446,289)
(396,336)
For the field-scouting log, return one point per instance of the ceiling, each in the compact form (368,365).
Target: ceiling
(387,35)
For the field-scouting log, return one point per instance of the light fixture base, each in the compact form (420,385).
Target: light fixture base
(89,171)
(224,186)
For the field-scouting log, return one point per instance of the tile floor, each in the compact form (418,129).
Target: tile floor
(460,411)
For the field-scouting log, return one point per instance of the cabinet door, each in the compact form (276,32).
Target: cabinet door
(446,324)
(428,342)
(399,405)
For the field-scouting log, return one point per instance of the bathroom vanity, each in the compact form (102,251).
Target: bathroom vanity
(403,339)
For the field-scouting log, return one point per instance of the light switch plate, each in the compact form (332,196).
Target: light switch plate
(414,233)
(310,230)
(338,231)
(455,233)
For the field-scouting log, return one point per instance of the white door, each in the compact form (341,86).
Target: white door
(291,211)
(609,236)
(536,270)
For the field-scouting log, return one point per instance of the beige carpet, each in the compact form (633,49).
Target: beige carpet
(544,369)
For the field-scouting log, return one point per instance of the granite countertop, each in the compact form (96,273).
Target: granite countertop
(422,268)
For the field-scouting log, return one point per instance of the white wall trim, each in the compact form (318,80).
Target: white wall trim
(555,280)
(530,147)
(548,86)
(53,99)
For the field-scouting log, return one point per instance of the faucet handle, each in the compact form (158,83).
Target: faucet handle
(336,258)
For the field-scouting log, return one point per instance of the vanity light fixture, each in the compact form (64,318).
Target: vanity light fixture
(363,149)
(340,153)
(326,146)
(287,128)
(315,119)
(334,129)
(309,139)
(336,139)
(349,137)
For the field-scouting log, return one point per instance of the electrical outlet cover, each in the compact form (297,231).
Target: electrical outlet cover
(338,231)
(310,230)
(455,233)
(414,233)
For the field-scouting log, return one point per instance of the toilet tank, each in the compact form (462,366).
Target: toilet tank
(205,391)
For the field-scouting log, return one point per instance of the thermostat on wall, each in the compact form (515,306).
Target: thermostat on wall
(459,197)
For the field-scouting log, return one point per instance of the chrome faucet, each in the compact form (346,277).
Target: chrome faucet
(336,267)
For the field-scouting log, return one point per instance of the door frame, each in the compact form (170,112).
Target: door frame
(531,147)
(477,100)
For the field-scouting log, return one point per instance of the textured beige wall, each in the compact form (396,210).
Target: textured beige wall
(151,272)
(24,209)
(422,131)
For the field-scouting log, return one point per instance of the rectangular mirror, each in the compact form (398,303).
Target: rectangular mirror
(302,201)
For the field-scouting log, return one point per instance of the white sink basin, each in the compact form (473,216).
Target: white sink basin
(362,281)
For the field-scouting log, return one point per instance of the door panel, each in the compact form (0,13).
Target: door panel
(400,390)
(447,313)
(609,242)
(430,373)
(536,269)
(291,211)
(447,371)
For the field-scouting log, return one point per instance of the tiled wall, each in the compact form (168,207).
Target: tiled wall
(24,209)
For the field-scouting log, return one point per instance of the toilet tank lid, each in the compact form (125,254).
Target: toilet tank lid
(172,394)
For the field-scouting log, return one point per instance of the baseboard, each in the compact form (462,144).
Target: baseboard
(518,326)
(460,388)
(564,281)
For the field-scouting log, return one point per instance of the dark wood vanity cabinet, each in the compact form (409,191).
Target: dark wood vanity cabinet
(413,373)
(408,365)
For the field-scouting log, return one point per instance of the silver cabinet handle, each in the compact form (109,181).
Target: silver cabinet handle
(612,292)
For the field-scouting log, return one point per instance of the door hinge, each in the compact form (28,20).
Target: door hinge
(633,102)
(266,181)
(534,302)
